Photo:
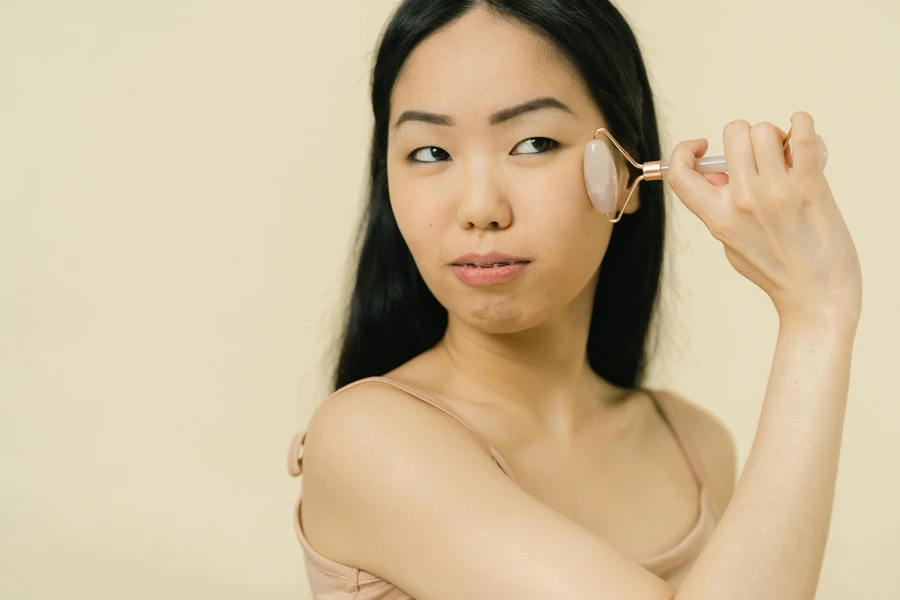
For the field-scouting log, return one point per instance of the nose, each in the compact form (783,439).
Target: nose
(483,201)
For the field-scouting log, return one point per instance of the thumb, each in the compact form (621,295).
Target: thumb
(696,191)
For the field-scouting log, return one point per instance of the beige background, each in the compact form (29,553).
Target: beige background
(179,181)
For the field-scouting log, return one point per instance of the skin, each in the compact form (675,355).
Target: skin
(513,361)
(604,482)
(495,187)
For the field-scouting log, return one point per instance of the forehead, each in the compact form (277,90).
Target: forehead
(484,62)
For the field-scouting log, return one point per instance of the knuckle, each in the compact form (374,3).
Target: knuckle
(718,234)
(744,203)
(744,198)
(736,127)
(720,228)
(684,147)
(763,129)
(808,194)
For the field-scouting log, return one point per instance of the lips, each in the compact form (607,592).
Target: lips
(491,259)
(489,275)
(493,266)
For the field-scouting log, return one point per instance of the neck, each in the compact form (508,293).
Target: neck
(542,372)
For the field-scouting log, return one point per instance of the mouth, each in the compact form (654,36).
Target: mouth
(490,274)
(493,265)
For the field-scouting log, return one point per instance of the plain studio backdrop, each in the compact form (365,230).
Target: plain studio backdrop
(180,182)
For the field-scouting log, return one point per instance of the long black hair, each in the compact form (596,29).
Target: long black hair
(392,315)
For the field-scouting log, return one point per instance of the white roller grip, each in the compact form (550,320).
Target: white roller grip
(716,164)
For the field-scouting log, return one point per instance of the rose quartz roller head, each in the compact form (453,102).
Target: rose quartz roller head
(602,181)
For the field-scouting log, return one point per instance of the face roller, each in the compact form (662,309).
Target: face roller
(601,175)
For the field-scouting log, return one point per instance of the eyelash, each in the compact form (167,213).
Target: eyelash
(554,145)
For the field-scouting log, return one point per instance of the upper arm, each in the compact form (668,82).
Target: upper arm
(714,443)
(401,490)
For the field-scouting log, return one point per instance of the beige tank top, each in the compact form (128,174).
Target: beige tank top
(330,580)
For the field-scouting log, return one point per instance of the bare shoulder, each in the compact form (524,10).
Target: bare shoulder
(353,452)
(714,442)
(399,489)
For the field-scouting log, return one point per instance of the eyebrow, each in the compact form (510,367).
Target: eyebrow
(498,117)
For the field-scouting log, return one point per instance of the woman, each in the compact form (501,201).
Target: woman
(547,470)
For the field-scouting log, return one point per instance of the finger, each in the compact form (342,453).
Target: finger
(700,196)
(717,179)
(768,150)
(804,146)
(739,153)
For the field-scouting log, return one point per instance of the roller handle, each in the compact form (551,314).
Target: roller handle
(716,164)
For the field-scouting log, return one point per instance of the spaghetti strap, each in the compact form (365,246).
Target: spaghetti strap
(670,415)
(295,460)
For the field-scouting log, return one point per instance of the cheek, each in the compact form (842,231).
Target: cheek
(569,236)
(556,206)
(419,220)
(557,189)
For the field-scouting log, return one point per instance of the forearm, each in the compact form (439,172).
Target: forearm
(771,539)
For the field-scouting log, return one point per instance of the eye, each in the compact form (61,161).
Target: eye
(543,144)
(432,152)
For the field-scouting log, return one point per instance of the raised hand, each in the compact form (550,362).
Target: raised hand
(778,221)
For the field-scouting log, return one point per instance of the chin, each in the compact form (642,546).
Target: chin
(498,315)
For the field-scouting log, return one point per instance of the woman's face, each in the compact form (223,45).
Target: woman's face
(514,186)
